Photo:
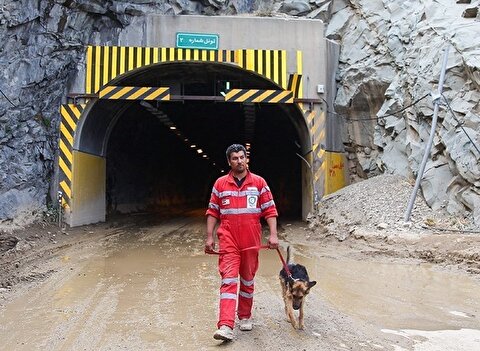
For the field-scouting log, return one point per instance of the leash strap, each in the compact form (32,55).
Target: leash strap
(245,249)
(285,266)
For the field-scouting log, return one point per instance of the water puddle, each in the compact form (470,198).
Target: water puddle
(157,290)
(412,300)
(441,340)
(138,295)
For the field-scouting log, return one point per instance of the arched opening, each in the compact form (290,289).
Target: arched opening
(151,164)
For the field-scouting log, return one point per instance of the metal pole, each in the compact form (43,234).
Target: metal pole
(60,195)
(426,154)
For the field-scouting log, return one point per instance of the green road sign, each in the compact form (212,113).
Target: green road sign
(197,41)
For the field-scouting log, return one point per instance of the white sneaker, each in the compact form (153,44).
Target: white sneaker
(224,333)
(246,324)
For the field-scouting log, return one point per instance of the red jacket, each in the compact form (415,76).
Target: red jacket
(251,201)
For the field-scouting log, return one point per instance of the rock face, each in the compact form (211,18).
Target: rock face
(389,66)
(43,43)
(390,59)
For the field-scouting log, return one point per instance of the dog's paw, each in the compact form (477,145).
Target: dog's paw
(292,322)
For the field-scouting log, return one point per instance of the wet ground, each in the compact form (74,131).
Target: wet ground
(149,286)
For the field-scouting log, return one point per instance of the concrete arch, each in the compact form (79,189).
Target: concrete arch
(185,78)
(100,116)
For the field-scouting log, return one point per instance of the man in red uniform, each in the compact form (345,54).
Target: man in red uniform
(238,200)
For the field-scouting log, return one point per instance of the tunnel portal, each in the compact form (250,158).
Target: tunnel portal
(151,115)
(165,155)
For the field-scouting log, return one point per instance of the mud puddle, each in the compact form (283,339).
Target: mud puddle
(155,289)
(439,310)
(138,296)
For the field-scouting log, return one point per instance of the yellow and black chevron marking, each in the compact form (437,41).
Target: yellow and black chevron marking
(269,63)
(294,82)
(134,93)
(107,62)
(255,95)
(70,114)
(299,72)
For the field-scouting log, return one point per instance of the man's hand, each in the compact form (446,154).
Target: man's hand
(209,245)
(273,241)
(210,241)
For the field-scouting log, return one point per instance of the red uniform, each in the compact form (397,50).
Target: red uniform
(239,210)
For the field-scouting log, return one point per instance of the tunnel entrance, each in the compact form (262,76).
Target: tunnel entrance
(160,155)
(150,167)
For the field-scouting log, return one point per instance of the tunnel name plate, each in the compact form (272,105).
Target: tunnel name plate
(197,41)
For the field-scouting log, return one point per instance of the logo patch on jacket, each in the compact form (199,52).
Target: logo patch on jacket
(225,202)
(252,201)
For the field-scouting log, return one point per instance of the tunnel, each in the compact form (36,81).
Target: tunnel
(164,156)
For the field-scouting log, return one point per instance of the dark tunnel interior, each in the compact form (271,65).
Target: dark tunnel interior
(151,167)
(150,161)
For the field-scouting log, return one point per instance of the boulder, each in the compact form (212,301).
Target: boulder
(295,7)
(25,203)
(434,183)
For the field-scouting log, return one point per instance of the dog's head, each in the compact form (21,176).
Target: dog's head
(298,289)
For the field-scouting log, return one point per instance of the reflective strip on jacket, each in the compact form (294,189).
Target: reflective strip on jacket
(251,201)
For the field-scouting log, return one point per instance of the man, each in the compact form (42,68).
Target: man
(238,200)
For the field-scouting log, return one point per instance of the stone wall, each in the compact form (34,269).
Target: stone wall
(391,54)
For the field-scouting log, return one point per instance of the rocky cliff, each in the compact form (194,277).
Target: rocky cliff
(389,67)
(390,63)
(43,44)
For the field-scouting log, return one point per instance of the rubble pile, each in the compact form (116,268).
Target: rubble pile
(378,205)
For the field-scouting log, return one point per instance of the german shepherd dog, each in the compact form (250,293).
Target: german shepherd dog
(294,290)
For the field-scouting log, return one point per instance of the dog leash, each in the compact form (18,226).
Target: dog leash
(213,252)
(285,266)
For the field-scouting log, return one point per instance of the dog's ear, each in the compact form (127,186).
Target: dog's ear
(312,283)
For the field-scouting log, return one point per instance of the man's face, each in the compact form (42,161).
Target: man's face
(238,162)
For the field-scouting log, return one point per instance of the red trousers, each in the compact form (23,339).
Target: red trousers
(237,267)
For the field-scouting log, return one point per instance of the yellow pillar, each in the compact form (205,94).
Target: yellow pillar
(335,174)
(88,189)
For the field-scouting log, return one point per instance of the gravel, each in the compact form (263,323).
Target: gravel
(378,205)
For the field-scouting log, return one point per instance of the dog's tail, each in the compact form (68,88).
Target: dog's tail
(288,254)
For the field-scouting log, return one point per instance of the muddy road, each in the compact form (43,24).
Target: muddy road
(144,283)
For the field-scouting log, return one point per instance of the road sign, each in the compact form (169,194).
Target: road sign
(197,41)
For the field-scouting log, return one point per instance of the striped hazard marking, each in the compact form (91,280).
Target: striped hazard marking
(104,63)
(70,114)
(294,83)
(113,92)
(256,95)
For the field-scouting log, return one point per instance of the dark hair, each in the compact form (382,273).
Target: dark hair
(235,148)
